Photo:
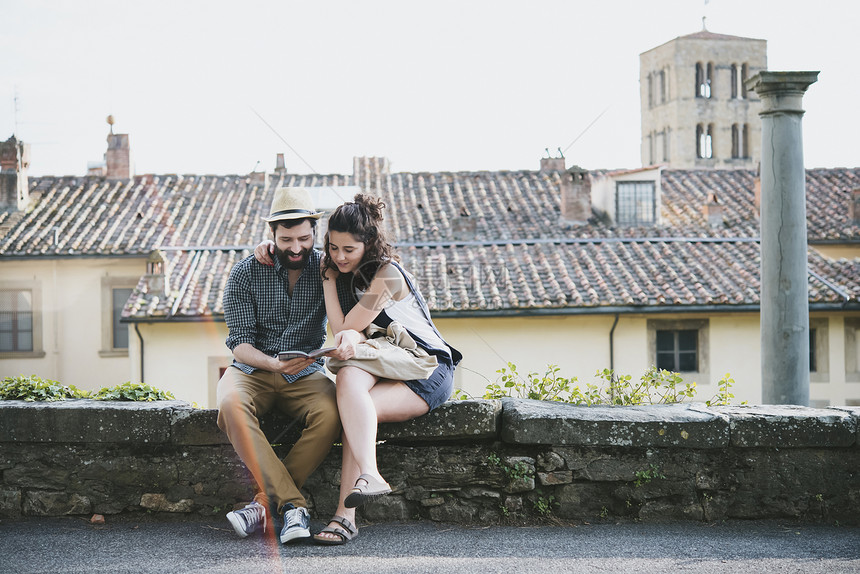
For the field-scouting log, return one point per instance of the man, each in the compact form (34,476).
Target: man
(269,309)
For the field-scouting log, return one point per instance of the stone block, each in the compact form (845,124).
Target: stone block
(555,477)
(10,503)
(526,421)
(196,427)
(855,414)
(475,419)
(52,503)
(789,426)
(86,421)
(159,503)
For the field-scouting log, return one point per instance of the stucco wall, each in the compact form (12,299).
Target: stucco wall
(71,307)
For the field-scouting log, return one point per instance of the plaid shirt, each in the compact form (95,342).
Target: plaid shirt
(259,311)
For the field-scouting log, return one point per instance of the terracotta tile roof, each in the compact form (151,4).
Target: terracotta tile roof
(94,216)
(520,277)
(518,258)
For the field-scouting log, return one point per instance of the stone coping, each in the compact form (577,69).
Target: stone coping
(516,421)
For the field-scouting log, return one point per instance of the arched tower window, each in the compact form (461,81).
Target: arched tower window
(736,142)
(745,72)
(734,81)
(745,151)
(704,141)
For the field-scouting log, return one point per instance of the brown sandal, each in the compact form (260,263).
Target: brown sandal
(344,536)
(366,492)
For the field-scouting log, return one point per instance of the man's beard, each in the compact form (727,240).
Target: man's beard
(283,257)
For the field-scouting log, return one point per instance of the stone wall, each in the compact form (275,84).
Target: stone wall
(469,462)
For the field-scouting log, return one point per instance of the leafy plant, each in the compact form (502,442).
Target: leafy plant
(519,471)
(132,392)
(35,388)
(724,395)
(643,477)
(543,505)
(656,386)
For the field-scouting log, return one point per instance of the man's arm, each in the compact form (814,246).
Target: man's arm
(246,353)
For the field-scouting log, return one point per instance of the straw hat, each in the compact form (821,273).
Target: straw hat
(292,203)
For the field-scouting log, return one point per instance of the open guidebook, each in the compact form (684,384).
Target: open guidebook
(290,355)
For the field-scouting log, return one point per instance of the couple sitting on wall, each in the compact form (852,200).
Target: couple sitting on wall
(278,300)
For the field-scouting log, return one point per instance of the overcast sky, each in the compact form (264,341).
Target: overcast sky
(433,86)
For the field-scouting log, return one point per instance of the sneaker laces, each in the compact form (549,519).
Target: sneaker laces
(293,517)
(254,515)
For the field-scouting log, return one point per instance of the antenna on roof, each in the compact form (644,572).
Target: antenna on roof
(560,153)
(548,155)
(255,167)
(15,103)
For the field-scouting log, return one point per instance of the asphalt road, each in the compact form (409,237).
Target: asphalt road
(146,544)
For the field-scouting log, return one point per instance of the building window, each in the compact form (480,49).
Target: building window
(16,321)
(744,76)
(819,353)
(736,142)
(734,73)
(704,77)
(704,141)
(120,330)
(650,90)
(663,87)
(852,349)
(666,132)
(678,350)
(115,293)
(635,203)
(20,320)
(680,346)
(745,142)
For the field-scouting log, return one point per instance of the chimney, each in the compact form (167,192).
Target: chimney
(260,178)
(575,195)
(280,165)
(118,157)
(854,206)
(548,164)
(464,227)
(713,210)
(14,188)
(156,276)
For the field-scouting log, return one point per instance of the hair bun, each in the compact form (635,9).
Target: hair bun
(371,205)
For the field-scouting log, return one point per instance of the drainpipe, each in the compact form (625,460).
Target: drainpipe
(612,345)
(139,336)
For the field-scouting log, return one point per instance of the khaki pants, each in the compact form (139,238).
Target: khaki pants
(242,398)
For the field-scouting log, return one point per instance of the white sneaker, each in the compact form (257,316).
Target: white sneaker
(296,523)
(249,519)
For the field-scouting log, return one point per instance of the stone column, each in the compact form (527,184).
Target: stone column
(784,277)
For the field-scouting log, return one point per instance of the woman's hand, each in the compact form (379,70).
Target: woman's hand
(331,273)
(263,252)
(346,341)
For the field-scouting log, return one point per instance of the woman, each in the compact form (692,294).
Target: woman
(363,283)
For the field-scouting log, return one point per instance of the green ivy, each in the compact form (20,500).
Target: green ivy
(35,388)
(132,392)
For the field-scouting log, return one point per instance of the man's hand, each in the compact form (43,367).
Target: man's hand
(291,367)
(263,253)
(346,341)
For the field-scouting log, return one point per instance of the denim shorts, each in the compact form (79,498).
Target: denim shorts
(437,388)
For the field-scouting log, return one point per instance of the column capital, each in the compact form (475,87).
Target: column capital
(781,91)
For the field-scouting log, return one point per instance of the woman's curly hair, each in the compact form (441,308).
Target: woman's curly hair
(362,218)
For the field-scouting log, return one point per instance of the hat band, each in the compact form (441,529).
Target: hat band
(286,211)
